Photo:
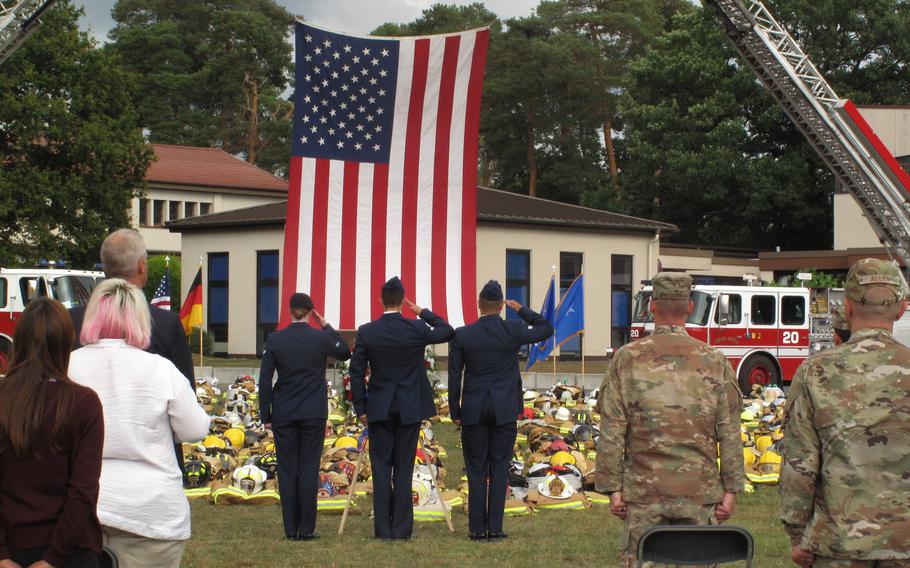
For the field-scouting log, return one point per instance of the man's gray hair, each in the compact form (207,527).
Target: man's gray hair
(121,252)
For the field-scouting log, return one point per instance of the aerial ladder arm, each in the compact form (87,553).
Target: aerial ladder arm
(18,20)
(833,126)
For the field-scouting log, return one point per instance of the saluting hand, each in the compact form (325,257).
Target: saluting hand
(412,306)
(513,304)
(317,318)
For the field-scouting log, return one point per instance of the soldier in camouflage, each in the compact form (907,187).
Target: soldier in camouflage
(666,402)
(845,481)
(840,325)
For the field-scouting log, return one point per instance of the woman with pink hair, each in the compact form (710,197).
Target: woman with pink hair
(147,404)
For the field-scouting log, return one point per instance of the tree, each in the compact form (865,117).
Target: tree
(536,122)
(620,29)
(708,149)
(211,73)
(71,154)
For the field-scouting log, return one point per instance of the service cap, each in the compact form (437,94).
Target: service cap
(491,292)
(672,286)
(299,300)
(393,286)
(869,273)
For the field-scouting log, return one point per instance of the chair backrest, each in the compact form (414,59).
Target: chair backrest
(695,544)
(107,559)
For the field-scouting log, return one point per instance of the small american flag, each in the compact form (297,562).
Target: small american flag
(383,172)
(162,297)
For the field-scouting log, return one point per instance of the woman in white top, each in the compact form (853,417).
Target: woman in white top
(147,404)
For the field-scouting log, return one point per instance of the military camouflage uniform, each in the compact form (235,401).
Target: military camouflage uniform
(845,480)
(666,402)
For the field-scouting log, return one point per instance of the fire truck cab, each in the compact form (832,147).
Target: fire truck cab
(763,331)
(19,286)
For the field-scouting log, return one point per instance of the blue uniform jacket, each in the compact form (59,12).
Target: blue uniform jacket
(299,353)
(393,348)
(483,361)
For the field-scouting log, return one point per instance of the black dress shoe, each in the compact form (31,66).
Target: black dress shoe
(497,535)
(311,536)
(477,536)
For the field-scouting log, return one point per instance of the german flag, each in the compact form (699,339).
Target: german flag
(191,312)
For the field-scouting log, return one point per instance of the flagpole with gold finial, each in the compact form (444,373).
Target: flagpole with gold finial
(202,301)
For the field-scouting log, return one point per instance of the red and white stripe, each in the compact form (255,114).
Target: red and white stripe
(351,226)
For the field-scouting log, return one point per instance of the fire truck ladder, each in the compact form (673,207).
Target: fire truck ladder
(810,102)
(18,20)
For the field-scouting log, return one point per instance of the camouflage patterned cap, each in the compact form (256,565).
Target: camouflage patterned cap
(672,286)
(868,273)
(839,319)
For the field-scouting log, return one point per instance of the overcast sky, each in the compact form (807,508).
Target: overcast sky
(354,16)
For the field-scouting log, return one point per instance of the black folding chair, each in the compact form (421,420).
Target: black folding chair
(107,559)
(685,545)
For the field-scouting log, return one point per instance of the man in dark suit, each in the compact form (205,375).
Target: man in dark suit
(397,400)
(123,255)
(485,400)
(296,409)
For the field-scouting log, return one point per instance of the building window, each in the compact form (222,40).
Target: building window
(620,299)
(570,267)
(205,208)
(518,282)
(173,210)
(189,209)
(267,310)
(218,301)
(143,220)
(158,213)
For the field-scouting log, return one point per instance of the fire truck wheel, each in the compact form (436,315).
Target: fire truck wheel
(758,370)
(6,348)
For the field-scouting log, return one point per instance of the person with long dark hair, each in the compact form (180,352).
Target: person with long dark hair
(51,440)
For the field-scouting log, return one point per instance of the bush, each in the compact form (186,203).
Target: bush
(156,267)
(208,341)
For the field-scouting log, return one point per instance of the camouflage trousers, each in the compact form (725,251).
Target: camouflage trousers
(822,562)
(642,516)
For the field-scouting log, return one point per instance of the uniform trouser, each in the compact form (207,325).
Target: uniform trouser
(487,448)
(823,562)
(135,551)
(392,449)
(298,445)
(642,516)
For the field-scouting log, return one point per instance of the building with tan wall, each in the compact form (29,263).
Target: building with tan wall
(892,125)
(520,240)
(854,237)
(184,182)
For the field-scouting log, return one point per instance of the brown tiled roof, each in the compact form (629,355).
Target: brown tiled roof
(209,167)
(492,206)
(506,207)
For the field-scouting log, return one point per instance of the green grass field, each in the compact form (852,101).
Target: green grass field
(248,537)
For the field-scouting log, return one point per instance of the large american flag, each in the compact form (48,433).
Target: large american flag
(383,172)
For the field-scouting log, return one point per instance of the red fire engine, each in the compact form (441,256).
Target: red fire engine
(765,332)
(18,286)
